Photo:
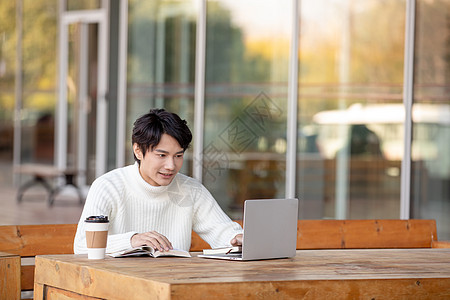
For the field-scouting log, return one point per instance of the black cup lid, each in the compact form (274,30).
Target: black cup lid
(97,219)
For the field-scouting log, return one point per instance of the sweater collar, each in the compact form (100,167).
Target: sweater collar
(146,187)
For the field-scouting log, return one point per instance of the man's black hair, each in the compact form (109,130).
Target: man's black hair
(149,128)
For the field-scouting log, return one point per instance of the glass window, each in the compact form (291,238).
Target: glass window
(350,117)
(8,53)
(247,56)
(430,185)
(82,78)
(161,62)
(83,4)
(39,21)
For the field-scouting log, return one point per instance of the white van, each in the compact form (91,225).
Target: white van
(431,132)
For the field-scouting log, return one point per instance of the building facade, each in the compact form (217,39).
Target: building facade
(342,104)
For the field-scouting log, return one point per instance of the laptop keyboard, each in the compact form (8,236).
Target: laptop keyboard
(238,255)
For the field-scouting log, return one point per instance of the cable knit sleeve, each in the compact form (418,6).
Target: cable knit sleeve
(211,222)
(102,199)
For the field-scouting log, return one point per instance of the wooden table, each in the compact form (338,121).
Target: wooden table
(312,274)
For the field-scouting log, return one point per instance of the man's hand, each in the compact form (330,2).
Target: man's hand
(153,239)
(237,240)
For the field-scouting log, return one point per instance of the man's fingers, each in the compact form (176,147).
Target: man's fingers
(237,240)
(152,239)
(160,242)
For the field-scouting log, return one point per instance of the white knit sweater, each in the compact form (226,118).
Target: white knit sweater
(134,206)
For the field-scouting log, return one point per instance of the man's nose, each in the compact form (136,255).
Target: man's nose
(170,165)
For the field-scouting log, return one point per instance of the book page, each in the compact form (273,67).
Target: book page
(149,251)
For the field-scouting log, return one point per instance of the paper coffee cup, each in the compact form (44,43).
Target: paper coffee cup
(96,236)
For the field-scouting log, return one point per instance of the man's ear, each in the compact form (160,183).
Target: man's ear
(137,151)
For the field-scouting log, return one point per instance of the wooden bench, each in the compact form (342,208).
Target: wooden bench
(359,234)
(40,176)
(22,242)
(10,275)
(27,241)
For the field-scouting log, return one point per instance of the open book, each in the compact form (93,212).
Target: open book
(223,250)
(149,251)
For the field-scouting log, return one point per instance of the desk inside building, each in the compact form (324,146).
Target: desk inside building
(312,274)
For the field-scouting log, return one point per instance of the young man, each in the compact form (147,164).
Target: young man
(150,203)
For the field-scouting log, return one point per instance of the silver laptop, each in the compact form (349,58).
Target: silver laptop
(270,230)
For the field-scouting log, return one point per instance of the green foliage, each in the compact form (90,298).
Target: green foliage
(39,44)
(39,36)
(225,47)
(7,43)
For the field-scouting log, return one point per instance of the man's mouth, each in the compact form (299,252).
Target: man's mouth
(166,174)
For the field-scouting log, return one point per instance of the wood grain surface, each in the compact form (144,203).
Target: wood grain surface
(31,240)
(10,276)
(334,274)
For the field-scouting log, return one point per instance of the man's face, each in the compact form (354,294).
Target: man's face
(160,165)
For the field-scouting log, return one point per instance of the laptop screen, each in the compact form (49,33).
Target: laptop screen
(270,228)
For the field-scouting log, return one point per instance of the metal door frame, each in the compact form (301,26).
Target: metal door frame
(100,17)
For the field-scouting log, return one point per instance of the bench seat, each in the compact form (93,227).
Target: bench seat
(41,174)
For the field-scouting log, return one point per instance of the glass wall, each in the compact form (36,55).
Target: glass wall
(27,82)
(350,117)
(161,62)
(83,4)
(82,85)
(8,42)
(38,80)
(430,186)
(247,55)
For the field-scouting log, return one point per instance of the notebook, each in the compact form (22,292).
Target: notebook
(270,230)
